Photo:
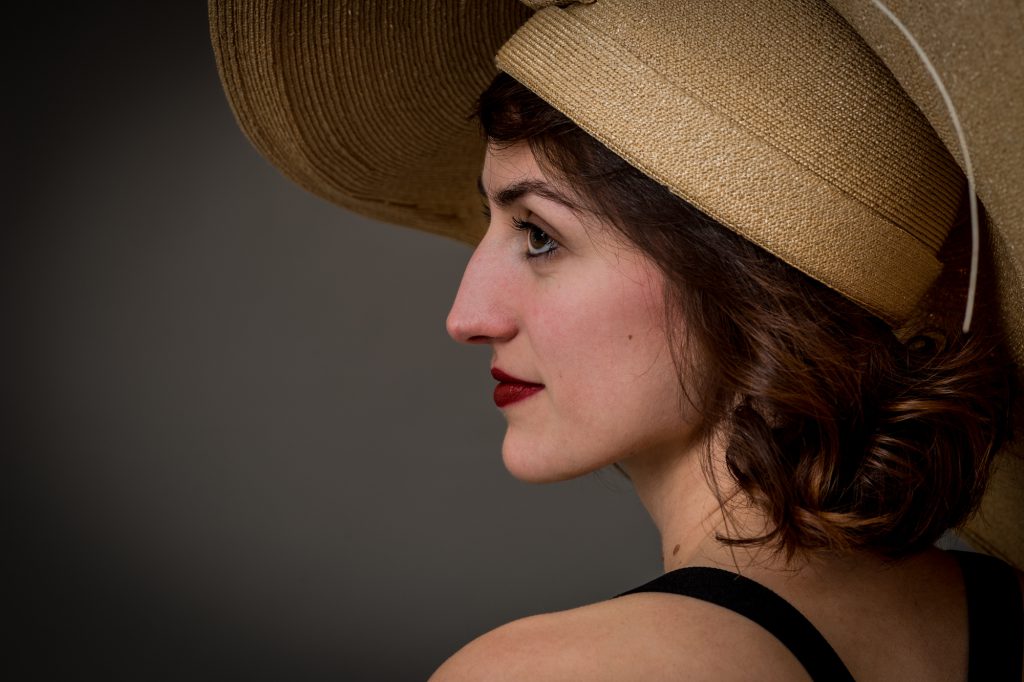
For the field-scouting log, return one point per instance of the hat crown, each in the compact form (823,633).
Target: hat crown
(709,86)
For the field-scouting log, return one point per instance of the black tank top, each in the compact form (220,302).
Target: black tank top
(994,613)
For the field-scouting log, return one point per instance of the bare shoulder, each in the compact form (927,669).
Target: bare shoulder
(642,636)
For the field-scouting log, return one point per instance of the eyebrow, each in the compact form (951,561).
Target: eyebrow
(505,197)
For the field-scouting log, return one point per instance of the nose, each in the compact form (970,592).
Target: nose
(482,311)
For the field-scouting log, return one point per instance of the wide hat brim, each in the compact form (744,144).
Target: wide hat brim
(365,104)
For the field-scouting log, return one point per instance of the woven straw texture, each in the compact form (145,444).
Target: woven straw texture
(972,39)
(365,104)
(791,132)
(808,128)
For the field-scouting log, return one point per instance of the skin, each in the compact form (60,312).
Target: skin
(585,320)
(588,323)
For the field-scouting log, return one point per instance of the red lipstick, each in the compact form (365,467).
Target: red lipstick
(511,389)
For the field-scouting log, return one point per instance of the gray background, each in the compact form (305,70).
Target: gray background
(238,442)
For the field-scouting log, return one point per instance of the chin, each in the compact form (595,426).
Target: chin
(539,467)
(536,475)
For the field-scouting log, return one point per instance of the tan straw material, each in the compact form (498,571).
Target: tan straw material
(811,128)
(730,127)
(365,104)
(978,48)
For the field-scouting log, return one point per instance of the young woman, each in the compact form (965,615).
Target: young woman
(725,252)
(770,426)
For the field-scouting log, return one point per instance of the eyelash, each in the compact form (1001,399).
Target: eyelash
(526,226)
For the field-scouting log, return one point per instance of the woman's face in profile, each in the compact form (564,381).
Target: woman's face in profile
(565,304)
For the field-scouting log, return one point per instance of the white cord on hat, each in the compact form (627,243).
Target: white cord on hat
(968,168)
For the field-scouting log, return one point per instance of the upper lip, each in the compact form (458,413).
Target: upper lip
(509,379)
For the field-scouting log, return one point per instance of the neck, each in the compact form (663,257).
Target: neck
(687,513)
(681,502)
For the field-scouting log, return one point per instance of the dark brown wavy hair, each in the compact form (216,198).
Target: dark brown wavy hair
(843,432)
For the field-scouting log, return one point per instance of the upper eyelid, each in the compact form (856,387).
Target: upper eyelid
(520,224)
(552,233)
(526,226)
(547,230)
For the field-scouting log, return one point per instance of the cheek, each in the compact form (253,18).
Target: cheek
(605,349)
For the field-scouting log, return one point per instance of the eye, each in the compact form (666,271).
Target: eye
(538,243)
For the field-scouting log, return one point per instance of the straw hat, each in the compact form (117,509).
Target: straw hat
(814,129)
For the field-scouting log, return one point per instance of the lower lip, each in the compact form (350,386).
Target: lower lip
(506,394)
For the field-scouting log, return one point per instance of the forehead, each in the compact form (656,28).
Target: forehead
(502,162)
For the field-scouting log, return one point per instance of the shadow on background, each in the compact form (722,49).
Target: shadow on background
(240,443)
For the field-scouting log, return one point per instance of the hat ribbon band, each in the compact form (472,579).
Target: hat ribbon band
(968,167)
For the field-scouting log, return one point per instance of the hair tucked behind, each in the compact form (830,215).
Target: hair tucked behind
(842,434)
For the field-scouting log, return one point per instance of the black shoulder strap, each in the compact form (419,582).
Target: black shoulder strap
(761,605)
(995,618)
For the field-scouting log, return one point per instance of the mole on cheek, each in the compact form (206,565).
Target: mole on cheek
(630,337)
(675,551)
